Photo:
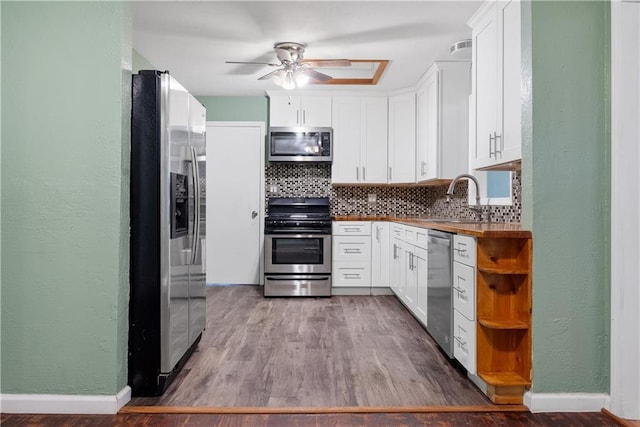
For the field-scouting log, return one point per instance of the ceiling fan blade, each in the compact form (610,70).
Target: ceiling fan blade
(315,75)
(273,73)
(315,63)
(283,54)
(253,63)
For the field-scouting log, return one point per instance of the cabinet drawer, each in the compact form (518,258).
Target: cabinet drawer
(464,250)
(351,228)
(464,341)
(356,274)
(464,295)
(351,248)
(397,231)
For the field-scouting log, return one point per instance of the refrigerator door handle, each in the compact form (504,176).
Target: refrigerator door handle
(196,206)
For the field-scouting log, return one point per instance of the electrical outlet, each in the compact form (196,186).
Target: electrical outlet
(273,188)
(372,198)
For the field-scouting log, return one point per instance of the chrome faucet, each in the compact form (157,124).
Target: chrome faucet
(477,209)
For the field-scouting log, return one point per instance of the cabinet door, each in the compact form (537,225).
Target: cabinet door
(380,254)
(464,341)
(402,138)
(397,272)
(427,103)
(485,88)
(510,145)
(411,288)
(284,110)
(347,134)
(420,271)
(373,153)
(316,111)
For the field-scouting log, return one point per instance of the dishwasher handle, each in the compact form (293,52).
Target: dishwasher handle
(439,241)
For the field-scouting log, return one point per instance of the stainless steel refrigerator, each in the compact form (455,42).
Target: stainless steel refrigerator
(167,292)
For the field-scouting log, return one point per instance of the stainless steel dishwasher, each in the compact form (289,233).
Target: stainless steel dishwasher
(439,289)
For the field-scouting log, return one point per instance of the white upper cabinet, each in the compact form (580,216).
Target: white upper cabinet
(495,134)
(402,138)
(359,140)
(310,111)
(442,110)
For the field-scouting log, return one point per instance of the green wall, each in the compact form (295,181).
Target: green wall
(567,154)
(66,70)
(140,63)
(236,108)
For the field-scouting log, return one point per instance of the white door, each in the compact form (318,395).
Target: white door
(235,202)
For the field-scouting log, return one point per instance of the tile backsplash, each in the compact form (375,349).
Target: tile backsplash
(306,180)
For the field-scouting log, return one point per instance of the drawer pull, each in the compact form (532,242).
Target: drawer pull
(459,340)
(352,251)
(351,275)
(352,229)
(461,252)
(461,290)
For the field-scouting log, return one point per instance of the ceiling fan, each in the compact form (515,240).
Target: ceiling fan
(293,71)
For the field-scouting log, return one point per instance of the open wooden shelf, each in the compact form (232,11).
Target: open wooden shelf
(506,378)
(503,270)
(502,323)
(503,313)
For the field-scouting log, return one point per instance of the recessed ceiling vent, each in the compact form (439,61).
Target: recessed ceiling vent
(461,48)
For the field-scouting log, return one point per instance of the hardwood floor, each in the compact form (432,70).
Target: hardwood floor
(314,352)
(313,420)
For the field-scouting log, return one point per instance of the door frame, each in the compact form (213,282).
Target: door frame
(261,211)
(625,207)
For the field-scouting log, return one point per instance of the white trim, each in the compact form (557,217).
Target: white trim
(565,402)
(263,132)
(64,403)
(625,209)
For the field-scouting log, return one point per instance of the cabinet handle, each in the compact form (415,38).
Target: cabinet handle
(304,117)
(496,151)
(492,140)
(462,343)
(364,174)
(462,291)
(297,117)
(351,229)
(422,166)
(351,275)
(352,251)
(357,173)
(395,255)
(461,252)
(378,234)
(390,175)
(411,261)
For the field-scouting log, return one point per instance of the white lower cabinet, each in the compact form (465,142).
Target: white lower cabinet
(464,301)
(379,254)
(464,341)
(351,254)
(408,260)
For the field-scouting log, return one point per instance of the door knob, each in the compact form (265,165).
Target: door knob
(254,214)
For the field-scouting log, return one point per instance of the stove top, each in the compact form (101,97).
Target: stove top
(298,215)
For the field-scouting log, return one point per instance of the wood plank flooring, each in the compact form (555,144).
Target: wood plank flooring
(314,352)
(511,419)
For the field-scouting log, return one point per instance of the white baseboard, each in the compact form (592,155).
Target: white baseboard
(566,402)
(64,403)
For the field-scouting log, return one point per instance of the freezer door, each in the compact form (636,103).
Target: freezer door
(197,271)
(175,252)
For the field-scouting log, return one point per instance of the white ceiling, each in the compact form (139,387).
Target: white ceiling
(194,39)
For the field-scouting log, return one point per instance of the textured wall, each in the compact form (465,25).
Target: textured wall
(65,196)
(567,152)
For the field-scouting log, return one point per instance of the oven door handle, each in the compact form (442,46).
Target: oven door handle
(275,278)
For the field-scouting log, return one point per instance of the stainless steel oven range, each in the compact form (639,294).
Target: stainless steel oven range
(297,247)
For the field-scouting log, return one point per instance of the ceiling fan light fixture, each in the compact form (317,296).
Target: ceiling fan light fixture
(289,82)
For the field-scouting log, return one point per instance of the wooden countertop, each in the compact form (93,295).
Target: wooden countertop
(480,229)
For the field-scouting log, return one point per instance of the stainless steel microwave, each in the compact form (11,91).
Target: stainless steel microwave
(300,144)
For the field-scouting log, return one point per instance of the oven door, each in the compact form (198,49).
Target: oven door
(297,254)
